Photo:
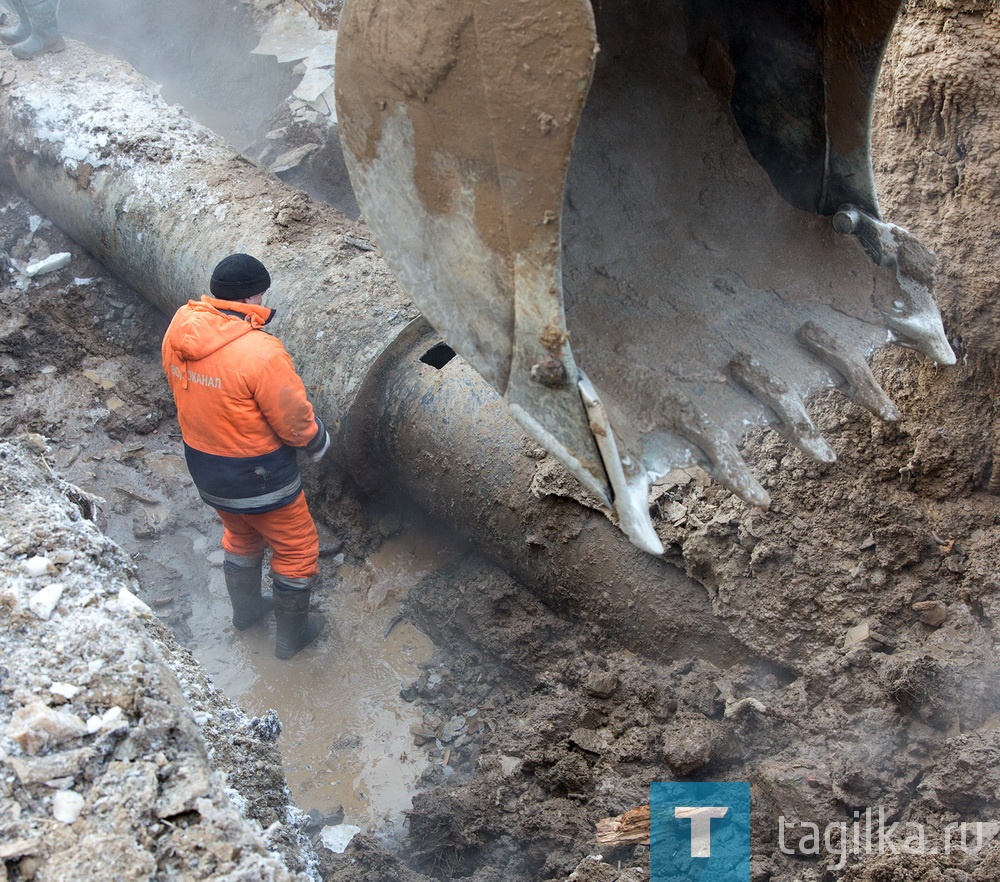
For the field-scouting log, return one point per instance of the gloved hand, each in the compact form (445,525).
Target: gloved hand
(317,455)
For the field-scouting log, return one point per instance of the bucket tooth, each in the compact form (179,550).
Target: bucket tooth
(910,314)
(722,458)
(794,423)
(862,386)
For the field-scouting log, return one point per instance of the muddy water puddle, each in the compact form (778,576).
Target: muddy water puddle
(346,738)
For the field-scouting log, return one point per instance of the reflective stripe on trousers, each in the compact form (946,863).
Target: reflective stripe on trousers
(289,531)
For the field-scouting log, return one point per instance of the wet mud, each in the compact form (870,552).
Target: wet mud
(347,743)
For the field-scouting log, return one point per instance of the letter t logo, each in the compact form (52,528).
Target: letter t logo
(699,831)
(701,826)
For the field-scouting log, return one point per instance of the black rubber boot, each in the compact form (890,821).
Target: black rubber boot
(296,628)
(243,585)
(20,31)
(45,36)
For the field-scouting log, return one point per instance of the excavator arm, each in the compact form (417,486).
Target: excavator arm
(649,224)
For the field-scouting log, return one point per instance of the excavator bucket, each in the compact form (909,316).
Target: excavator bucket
(649,224)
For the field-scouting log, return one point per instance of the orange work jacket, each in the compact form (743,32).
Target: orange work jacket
(242,407)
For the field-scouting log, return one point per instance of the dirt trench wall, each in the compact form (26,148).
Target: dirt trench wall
(939,155)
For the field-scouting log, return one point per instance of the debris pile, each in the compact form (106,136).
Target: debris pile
(106,772)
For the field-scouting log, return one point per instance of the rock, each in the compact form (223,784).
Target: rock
(40,770)
(571,774)
(863,632)
(317,820)
(689,743)
(390,524)
(422,734)
(453,728)
(932,612)
(602,684)
(19,848)
(857,634)
(796,788)
(330,546)
(591,740)
(180,792)
(36,725)
(143,527)
(291,158)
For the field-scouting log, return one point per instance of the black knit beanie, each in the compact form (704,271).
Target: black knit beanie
(239,276)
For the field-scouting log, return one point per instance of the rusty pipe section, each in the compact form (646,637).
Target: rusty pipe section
(447,436)
(159,200)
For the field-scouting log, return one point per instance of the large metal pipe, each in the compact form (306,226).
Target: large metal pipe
(159,199)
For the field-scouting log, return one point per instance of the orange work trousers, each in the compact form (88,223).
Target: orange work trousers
(289,531)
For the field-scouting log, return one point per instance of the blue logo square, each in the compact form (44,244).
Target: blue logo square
(699,831)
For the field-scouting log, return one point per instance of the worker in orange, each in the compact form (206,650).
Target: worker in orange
(244,413)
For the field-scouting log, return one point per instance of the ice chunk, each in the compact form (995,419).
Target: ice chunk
(37,565)
(337,837)
(44,602)
(66,806)
(127,599)
(48,264)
